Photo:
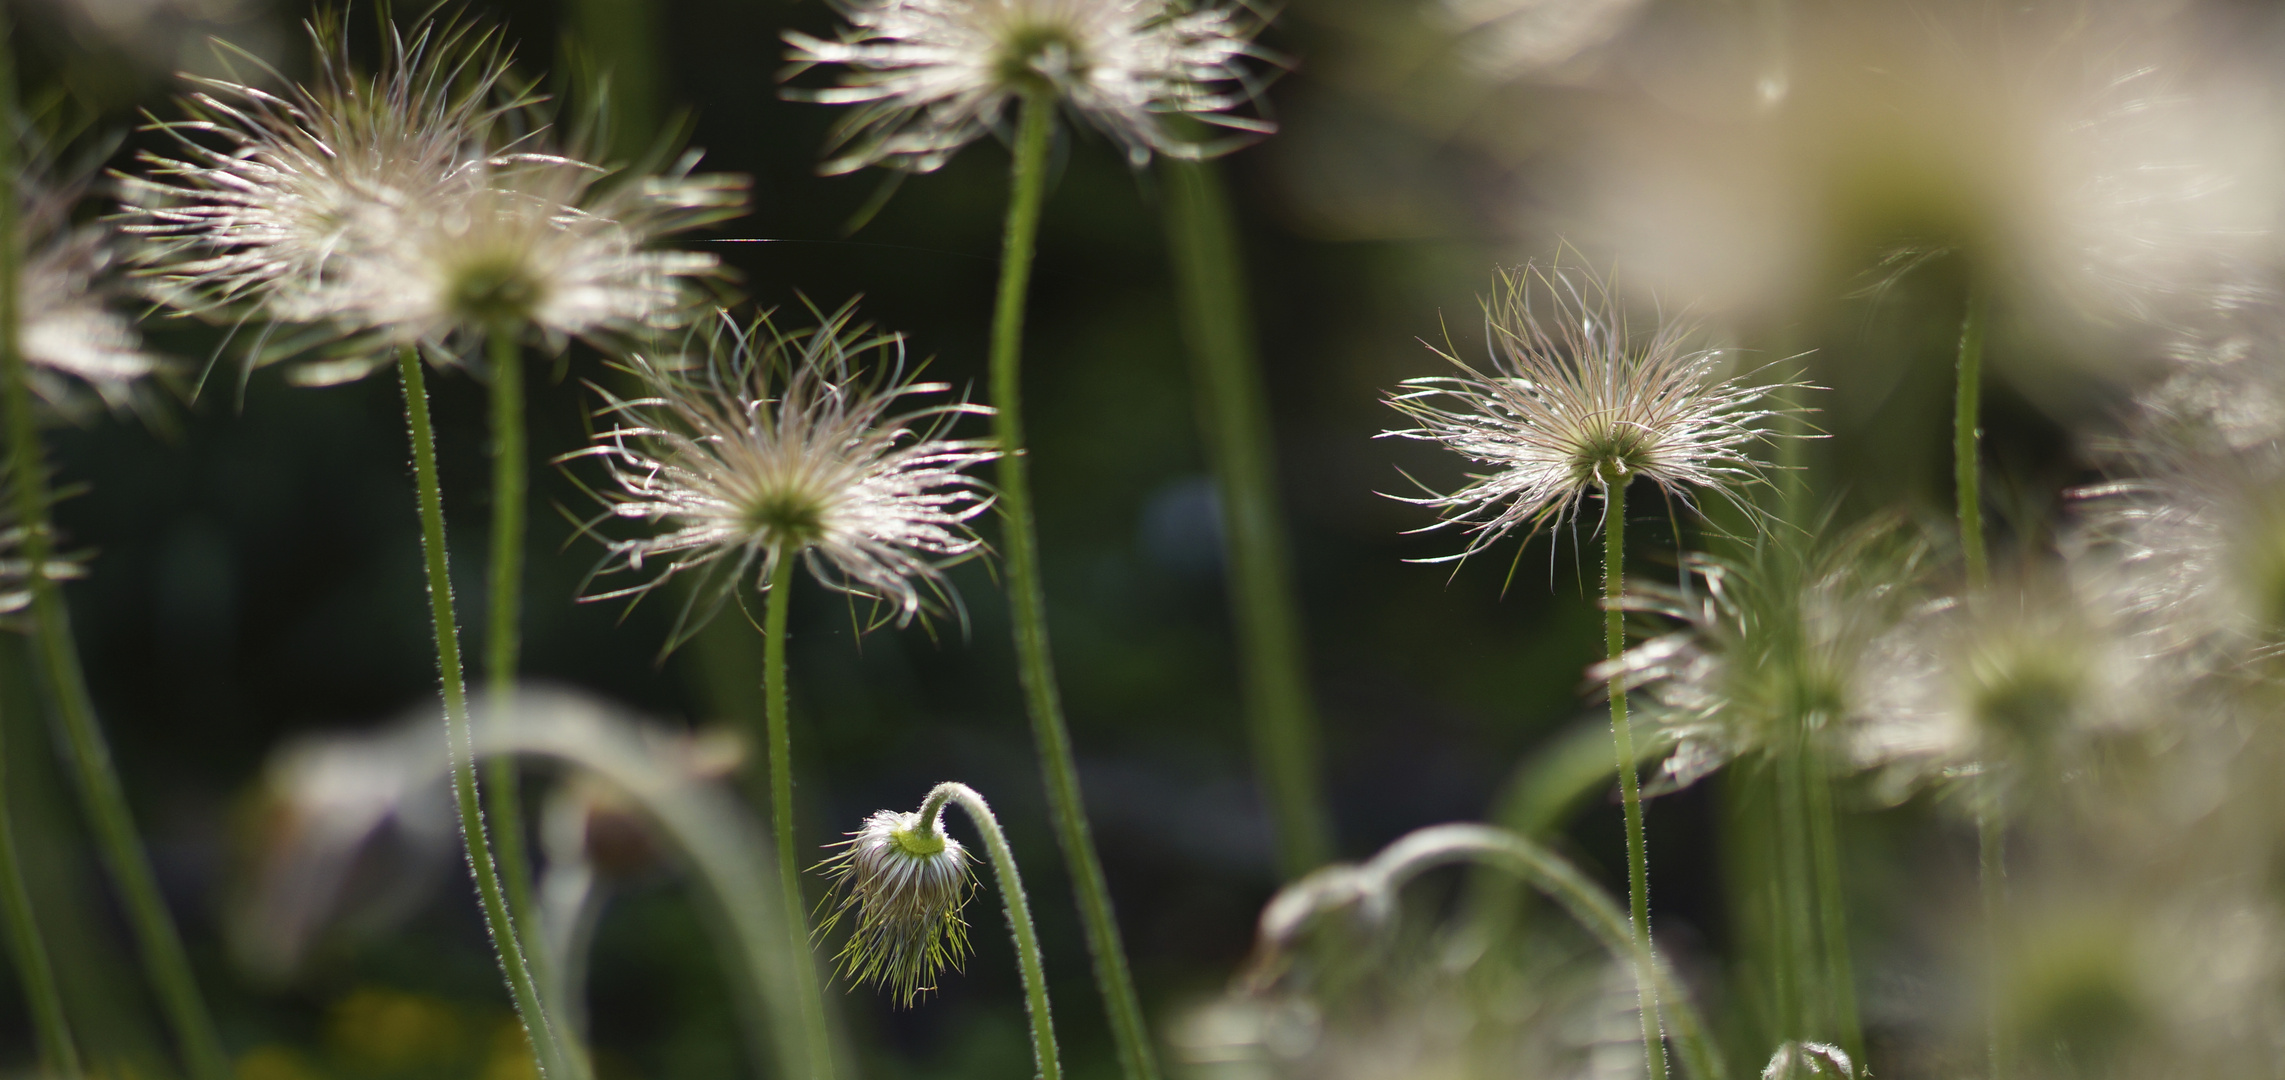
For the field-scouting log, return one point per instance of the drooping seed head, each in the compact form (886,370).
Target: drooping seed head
(924,78)
(774,445)
(1575,403)
(906,885)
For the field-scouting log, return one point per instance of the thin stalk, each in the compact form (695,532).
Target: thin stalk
(58,1054)
(780,741)
(1035,666)
(1630,787)
(1967,434)
(1043,1051)
(1991,872)
(507,946)
(1832,907)
(1805,1018)
(103,797)
(1210,296)
(503,632)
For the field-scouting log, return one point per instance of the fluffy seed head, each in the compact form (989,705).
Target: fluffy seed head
(272,197)
(924,78)
(1770,652)
(907,881)
(1576,403)
(776,445)
(73,342)
(420,204)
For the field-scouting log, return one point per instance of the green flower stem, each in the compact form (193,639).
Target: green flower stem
(1441,845)
(103,798)
(1210,295)
(811,997)
(1832,906)
(1043,1051)
(1797,928)
(1991,868)
(58,1054)
(1035,666)
(507,946)
(1967,433)
(503,634)
(1630,786)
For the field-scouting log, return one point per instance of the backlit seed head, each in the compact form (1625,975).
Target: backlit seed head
(1576,403)
(773,445)
(906,885)
(924,78)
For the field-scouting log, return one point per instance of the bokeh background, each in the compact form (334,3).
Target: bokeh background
(257,577)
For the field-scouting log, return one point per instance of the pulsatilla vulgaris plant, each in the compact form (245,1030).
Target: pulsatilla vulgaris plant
(1576,404)
(906,879)
(772,448)
(927,77)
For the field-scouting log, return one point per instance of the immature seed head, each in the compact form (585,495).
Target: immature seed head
(906,883)
(1575,403)
(924,78)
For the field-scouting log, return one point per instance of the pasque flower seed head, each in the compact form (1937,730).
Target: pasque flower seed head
(1575,404)
(926,77)
(776,446)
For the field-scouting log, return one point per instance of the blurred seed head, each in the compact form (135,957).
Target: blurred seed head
(2101,166)
(422,204)
(1575,403)
(1772,651)
(272,198)
(773,444)
(75,345)
(907,881)
(2010,681)
(924,78)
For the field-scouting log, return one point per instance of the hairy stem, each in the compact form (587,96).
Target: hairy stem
(1832,906)
(1043,1052)
(507,946)
(1967,435)
(103,798)
(58,1054)
(1210,294)
(1035,667)
(1440,845)
(780,743)
(1630,787)
(503,633)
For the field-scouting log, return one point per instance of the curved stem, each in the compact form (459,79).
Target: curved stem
(1630,786)
(58,1054)
(1439,845)
(507,947)
(1043,1050)
(1232,415)
(503,637)
(1967,434)
(727,852)
(780,743)
(102,797)
(1035,667)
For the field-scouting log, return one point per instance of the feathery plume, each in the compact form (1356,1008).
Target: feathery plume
(777,446)
(927,77)
(1576,403)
